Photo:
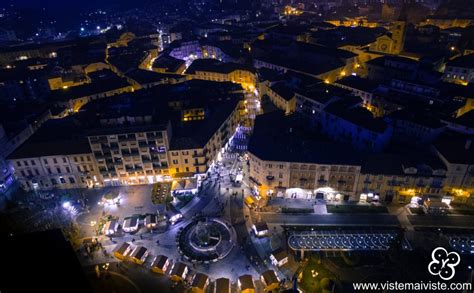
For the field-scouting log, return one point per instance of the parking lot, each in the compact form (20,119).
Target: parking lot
(336,240)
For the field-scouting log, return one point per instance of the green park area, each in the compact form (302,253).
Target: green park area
(161,193)
(315,277)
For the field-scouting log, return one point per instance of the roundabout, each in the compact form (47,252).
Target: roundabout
(206,240)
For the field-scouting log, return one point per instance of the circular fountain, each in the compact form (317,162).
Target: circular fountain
(206,240)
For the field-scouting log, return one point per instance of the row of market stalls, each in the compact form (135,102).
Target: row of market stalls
(186,186)
(179,272)
(132,224)
(162,265)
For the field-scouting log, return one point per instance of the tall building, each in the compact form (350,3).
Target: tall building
(392,43)
(134,138)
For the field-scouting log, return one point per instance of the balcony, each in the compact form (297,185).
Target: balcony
(158,166)
(198,155)
(420,184)
(438,185)
(100,139)
(99,156)
(393,183)
(200,164)
(104,172)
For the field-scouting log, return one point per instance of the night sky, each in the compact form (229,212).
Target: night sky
(71,6)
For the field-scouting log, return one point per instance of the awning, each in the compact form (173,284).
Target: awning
(255,181)
(178,185)
(182,175)
(191,184)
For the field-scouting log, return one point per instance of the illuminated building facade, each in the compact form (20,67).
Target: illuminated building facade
(283,161)
(460,70)
(105,147)
(214,70)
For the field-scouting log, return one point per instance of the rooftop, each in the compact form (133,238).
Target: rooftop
(466,61)
(199,281)
(213,65)
(394,161)
(178,269)
(55,137)
(160,261)
(139,252)
(101,82)
(283,90)
(386,61)
(358,83)
(456,148)
(168,63)
(261,226)
(146,76)
(349,110)
(222,285)
(270,277)
(277,137)
(246,282)
(426,119)
(279,254)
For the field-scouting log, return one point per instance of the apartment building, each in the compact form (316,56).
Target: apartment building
(284,161)
(346,121)
(55,157)
(214,70)
(398,176)
(460,70)
(457,152)
(102,84)
(133,155)
(134,138)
